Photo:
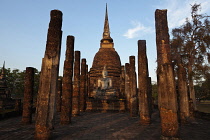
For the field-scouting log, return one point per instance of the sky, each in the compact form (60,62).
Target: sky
(24,25)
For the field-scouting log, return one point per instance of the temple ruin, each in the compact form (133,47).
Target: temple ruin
(108,86)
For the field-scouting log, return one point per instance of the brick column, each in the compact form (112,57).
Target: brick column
(183,94)
(143,83)
(59,94)
(127,85)
(67,87)
(28,96)
(167,97)
(87,85)
(76,85)
(83,85)
(151,101)
(122,82)
(48,79)
(133,88)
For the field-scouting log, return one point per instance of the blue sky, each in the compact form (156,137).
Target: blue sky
(24,25)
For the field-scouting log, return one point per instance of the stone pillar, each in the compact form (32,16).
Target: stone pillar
(143,83)
(48,79)
(127,85)
(122,82)
(83,85)
(76,85)
(59,94)
(28,96)
(67,88)
(133,88)
(151,101)
(183,94)
(167,96)
(87,84)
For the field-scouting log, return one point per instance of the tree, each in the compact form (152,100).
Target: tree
(190,45)
(15,82)
(202,89)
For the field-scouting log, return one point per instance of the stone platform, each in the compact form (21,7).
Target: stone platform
(105,105)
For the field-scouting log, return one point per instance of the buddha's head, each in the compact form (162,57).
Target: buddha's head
(104,72)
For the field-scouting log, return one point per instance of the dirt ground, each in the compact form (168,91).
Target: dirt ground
(104,126)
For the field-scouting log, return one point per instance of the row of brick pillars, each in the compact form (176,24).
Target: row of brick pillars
(139,101)
(74,93)
(71,95)
(167,98)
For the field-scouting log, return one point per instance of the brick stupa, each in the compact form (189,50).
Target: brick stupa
(105,57)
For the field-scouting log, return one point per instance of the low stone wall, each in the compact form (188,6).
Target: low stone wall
(7,104)
(10,108)
(105,105)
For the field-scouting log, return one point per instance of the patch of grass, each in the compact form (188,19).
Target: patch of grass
(203,108)
(6,111)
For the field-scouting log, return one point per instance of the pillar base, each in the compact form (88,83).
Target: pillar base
(169,123)
(42,133)
(169,138)
(145,122)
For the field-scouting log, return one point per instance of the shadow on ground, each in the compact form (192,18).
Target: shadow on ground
(104,126)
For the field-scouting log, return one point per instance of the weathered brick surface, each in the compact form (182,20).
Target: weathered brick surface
(76,85)
(167,97)
(151,100)
(87,83)
(143,83)
(112,105)
(106,57)
(127,85)
(58,96)
(67,88)
(133,88)
(183,95)
(48,79)
(83,85)
(28,96)
(122,83)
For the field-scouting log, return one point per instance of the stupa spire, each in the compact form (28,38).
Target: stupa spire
(106,34)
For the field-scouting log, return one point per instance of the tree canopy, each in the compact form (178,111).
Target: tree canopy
(190,45)
(15,82)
